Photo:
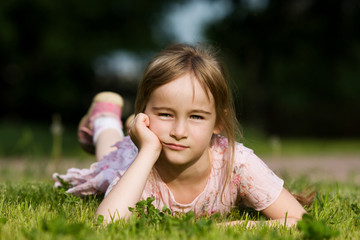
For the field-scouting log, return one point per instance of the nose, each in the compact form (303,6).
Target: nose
(179,130)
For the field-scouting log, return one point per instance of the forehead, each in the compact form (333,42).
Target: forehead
(185,89)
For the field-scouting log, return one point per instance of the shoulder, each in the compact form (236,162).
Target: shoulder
(220,145)
(243,157)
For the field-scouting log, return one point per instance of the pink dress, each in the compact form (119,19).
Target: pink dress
(252,183)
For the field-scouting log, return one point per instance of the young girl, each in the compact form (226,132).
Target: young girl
(181,146)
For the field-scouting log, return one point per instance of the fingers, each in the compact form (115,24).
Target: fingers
(137,126)
(130,122)
(140,118)
(142,136)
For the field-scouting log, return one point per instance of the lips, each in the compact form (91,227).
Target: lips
(177,147)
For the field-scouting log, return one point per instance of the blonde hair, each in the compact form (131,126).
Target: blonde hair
(203,63)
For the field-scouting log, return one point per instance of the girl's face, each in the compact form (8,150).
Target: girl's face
(183,118)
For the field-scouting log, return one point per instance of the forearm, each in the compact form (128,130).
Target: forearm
(127,192)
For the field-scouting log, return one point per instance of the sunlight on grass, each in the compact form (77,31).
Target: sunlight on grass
(35,210)
(32,209)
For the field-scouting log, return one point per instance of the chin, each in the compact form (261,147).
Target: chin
(176,158)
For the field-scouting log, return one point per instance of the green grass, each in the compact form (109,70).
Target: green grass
(265,145)
(35,210)
(307,146)
(30,208)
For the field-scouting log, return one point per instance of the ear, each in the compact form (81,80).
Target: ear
(217,129)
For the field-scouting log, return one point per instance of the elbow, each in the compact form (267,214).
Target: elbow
(292,220)
(99,214)
(296,217)
(102,217)
(108,216)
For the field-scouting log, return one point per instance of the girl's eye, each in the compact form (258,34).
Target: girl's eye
(197,117)
(166,115)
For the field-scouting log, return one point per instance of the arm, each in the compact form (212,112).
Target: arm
(127,192)
(264,182)
(285,206)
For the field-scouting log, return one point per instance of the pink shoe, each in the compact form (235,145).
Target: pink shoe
(103,104)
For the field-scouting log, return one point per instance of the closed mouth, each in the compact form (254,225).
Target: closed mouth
(174,146)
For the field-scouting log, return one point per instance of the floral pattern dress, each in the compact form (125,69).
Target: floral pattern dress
(251,183)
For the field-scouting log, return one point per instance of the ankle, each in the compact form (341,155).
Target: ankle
(104,123)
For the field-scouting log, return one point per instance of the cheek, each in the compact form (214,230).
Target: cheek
(201,133)
(156,126)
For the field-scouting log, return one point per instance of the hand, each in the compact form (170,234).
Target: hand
(128,190)
(141,134)
(290,222)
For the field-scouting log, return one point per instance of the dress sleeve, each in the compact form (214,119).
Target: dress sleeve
(257,185)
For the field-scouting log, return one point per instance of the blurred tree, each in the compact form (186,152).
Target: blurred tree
(296,65)
(48,49)
(295,61)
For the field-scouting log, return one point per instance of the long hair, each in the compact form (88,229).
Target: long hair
(203,63)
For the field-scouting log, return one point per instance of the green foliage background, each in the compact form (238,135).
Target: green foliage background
(294,64)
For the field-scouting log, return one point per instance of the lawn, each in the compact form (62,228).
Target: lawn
(32,209)
(35,210)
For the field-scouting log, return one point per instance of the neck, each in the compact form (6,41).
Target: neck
(185,174)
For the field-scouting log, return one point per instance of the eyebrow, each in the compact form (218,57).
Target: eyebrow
(170,109)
